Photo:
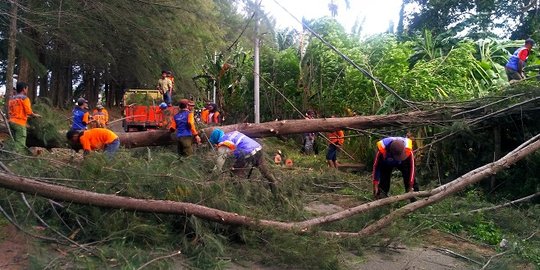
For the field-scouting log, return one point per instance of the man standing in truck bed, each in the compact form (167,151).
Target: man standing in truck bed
(165,87)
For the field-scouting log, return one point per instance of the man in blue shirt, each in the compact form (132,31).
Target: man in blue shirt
(516,63)
(80,115)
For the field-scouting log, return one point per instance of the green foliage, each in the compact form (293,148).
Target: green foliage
(387,60)
(445,77)
(144,99)
(45,129)
(486,232)
(474,18)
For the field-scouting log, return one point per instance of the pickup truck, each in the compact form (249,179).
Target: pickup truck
(141,110)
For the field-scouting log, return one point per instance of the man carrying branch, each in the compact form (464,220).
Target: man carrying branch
(393,152)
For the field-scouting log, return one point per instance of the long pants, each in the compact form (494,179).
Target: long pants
(167,97)
(184,146)
(257,160)
(111,148)
(386,174)
(19,136)
(513,75)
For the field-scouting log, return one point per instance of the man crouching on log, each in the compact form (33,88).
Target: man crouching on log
(246,151)
(393,152)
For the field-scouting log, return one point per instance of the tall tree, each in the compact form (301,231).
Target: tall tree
(11,51)
(474,18)
(131,49)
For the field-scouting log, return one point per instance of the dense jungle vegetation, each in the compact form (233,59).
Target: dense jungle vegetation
(440,55)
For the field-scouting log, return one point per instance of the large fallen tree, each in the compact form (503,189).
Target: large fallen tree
(56,192)
(473,113)
(287,127)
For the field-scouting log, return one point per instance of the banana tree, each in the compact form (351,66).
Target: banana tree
(225,72)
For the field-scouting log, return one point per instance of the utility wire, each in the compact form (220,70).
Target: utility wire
(302,114)
(346,58)
(241,33)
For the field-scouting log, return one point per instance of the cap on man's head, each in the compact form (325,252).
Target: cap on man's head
(530,41)
(191,103)
(184,101)
(81,101)
(163,105)
(99,106)
(216,135)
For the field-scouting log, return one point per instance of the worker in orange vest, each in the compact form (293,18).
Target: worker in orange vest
(393,152)
(94,139)
(337,138)
(19,111)
(171,77)
(100,116)
(210,115)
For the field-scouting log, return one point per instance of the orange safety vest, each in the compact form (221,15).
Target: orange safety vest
(104,111)
(207,119)
(100,118)
(382,144)
(204,115)
(337,137)
(213,118)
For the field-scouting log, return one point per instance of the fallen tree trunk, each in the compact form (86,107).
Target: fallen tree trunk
(62,193)
(57,192)
(267,129)
(286,127)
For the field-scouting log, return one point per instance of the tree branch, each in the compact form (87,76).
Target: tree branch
(460,183)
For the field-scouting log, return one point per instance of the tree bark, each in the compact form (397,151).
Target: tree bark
(286,127)
(276,128)
(43,78)
(11,53)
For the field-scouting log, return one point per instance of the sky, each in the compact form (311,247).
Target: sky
(377,14)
